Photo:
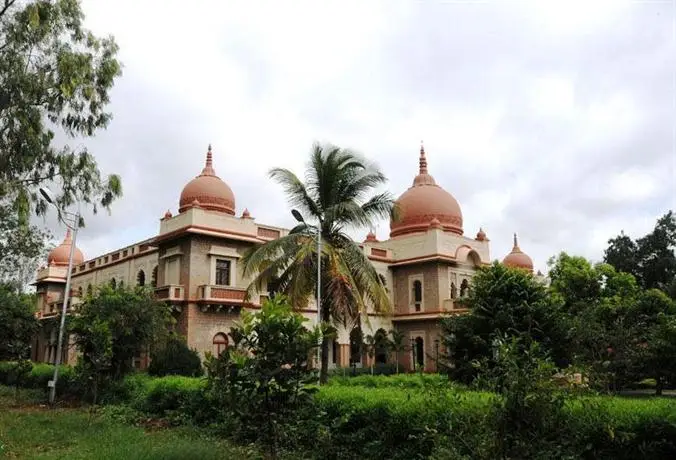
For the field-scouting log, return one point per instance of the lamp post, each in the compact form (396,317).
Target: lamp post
(73,226)
(297,215)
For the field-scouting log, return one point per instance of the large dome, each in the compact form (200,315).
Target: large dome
(423,202)
(517,258)
(208,191)
(60,254)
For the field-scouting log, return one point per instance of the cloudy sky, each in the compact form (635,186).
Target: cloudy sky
(551,119)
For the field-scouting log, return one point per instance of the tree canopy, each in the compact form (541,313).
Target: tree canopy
(55,80)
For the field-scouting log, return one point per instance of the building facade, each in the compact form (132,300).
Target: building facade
(427,265)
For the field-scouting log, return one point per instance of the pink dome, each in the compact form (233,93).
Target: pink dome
(517,258)
(60,254)
(424,202)
(209,191)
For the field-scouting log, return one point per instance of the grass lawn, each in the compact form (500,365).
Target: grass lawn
(31,431)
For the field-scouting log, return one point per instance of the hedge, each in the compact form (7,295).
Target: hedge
(39,375)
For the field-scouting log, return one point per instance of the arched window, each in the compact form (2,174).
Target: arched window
(464,288)
(356,341)
(381,346)
(90,289)
(220,343)
(153,279)
(454,291)
(141,278)
(417,295)
(420,352)
(80,292)
(121,285)
(113,283)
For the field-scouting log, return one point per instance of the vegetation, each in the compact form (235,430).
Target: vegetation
(17,323)
(175,358)
(35,433)
(54,74)
(334,198)
(112,327)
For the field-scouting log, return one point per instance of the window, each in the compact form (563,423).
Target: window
(113,283)
(419,352)
(141,278)
(90,289)
(153,280)
(381,346)
(223,272)
(417,295)
(454,291)
(80,292)
(220,343)
(464,288)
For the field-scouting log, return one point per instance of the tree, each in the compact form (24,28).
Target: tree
(17,323)
(334,198)
(397,345)
(22,248)
(265,375)
(54,75)
(504,303)
(651,259)
(133,318)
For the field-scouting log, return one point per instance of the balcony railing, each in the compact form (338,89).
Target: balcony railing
(209,292)
(169,292)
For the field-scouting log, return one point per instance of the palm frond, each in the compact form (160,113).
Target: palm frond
(296,192)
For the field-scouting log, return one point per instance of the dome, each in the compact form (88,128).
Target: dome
(517,258)
(209,191)
(60,254)
(424,202)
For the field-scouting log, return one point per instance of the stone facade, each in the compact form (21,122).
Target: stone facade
(193,264)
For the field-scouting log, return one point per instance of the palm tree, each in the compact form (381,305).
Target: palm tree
(334,198)
(397,344)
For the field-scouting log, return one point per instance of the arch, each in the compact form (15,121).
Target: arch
(153,279)
(420,352)
(90,289)
(356,345)
(454,291)
(80,292)
(464,288)
(113,283)
(417,295)
(381,346)
(220,343)
(141,278)
(469,255)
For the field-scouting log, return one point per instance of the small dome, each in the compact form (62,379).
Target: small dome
(246,214)
(481,235)
(371,237)
(60,254)
(209,191)
(167,215)
(423,202)
(517,258)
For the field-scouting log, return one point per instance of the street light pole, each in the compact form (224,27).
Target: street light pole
(47,195)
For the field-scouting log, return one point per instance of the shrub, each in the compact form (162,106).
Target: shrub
(38,376)
(175,358)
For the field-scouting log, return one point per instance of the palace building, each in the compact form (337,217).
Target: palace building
(427,265)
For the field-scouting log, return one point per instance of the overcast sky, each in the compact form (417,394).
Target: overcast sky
(551,119)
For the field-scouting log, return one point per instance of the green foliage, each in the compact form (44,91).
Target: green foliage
(651,259)
(54,74)
(394,381)
(17,323)
(37,376)
(22,248)
(263,379)
(334,196)
(175,358)
(113,326)
(503,302)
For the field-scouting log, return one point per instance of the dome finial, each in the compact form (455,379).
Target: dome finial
(516,241)
(209,165)
(423,160)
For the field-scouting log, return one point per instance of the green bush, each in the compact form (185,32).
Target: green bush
(396,381)
(175,358)
(39,375)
